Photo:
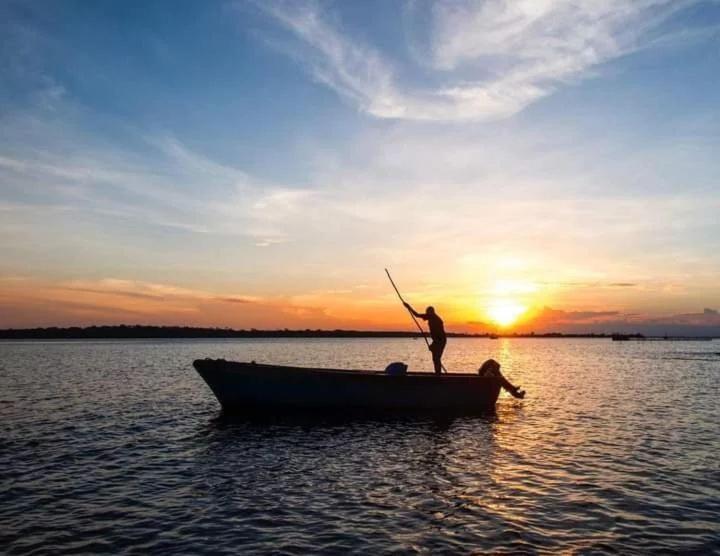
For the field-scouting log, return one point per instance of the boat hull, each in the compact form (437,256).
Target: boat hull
(252,387)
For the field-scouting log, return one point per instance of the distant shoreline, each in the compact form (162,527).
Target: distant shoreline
(143,331)
(180,332)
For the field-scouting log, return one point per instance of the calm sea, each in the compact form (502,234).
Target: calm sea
(119,446)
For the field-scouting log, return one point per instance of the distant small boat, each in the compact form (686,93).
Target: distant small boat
(252,387)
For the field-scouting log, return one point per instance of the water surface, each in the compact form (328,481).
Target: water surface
(119,446)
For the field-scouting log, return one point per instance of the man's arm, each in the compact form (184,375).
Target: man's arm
(413,311)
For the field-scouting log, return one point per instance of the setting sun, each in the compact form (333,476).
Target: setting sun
(505,312)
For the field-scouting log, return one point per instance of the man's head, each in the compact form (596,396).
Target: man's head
(430,310)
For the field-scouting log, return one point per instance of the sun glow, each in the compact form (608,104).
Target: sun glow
(505,312)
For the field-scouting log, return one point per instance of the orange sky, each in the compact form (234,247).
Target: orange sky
(507,306)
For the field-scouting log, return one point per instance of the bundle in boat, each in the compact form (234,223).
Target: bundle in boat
(250,387)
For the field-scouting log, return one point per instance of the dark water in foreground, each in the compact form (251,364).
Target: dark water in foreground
(120,447)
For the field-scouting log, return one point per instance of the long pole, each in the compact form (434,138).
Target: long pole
(420,328)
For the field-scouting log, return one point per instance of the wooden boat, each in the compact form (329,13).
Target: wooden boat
(251,387)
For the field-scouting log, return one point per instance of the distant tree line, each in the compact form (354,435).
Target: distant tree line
(143,331)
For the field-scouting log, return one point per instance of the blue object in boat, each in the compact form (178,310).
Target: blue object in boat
(396,369)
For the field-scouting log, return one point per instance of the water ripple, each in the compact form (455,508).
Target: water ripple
(118,447)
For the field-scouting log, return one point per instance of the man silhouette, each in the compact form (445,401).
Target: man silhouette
(437,333)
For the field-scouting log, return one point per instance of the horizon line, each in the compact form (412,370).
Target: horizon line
(139,331)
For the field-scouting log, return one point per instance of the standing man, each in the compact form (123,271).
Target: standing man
(437,333)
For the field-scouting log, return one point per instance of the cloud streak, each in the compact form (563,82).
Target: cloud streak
(550,320)
(486,59)
(31,302)
(52,166)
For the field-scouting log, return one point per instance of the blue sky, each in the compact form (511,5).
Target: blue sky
(283,153)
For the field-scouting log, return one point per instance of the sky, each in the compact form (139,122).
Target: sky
(521,165)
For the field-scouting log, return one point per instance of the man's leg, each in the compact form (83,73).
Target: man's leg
(436,355)
(437,349)
(437,362)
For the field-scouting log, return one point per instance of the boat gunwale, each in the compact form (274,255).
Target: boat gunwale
(251,365)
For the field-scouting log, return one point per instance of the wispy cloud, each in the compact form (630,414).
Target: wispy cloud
(709,317)
(157,180)
(354,70)
(487,59)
